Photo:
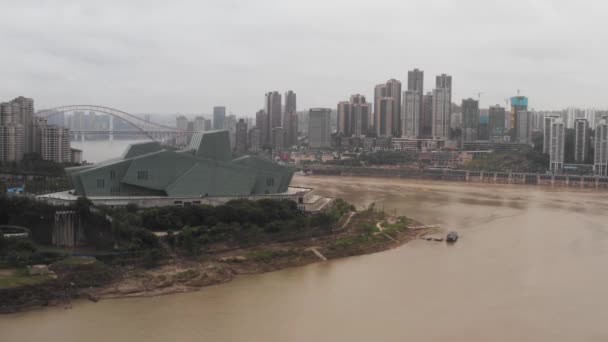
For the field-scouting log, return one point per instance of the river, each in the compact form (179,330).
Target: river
(529,266)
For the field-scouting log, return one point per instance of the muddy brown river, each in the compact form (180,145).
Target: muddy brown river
(530,265)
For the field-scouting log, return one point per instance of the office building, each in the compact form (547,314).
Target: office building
(470,119)
(319,131)
(581,140)
(219,117)
(360,112)
(290,120)
(557,138)
(410,116)
(600,162)
(290,102)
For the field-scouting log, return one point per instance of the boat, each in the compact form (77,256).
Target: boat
(451,237)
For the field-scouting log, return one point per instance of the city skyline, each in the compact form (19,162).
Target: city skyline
(122,44)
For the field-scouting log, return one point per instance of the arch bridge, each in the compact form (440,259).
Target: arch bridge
(152,130)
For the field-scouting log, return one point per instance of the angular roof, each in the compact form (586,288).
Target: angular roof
(206,169)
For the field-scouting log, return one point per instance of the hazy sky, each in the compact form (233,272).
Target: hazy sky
(187,56)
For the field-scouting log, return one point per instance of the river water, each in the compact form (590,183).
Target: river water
(94,151)
(529,266)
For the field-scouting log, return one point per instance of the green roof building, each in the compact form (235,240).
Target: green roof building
(206,168)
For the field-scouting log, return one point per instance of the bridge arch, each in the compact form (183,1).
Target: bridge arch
(140,124)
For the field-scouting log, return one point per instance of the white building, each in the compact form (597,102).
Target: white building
(410,114)
(319,129)
(600,163)
(442,104)
(557,139)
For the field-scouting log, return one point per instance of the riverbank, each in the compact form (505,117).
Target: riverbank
(355,234)
(538,179)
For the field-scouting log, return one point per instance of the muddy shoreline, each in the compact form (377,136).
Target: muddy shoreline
(181,274)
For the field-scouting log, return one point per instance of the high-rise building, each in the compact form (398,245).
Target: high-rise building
(241,136)
(11,142)
(518,103)
(393,91)
(255,139)
(54,143)
(231,127)
(290,102)
(581,140)
(410,113)
(415,81)
(523,131)
(290,120)
(273,113)
(219,117)
(442,107)
(181,122)
(16,128)
(360,112)
(353,116)
(384,117)
(277,138)
(470,119)
(600,162)
(199,124)
(441,113)
(319,131)
(547,132)
(344,116)
(390,91)
(496,122)
(557,138)
(483,132)
(426,116)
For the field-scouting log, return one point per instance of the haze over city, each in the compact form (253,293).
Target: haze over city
(160,57)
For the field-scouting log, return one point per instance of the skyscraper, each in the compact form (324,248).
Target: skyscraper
(600,162)
(442,106)
(518,103)
(547,132)
(390,91)
(241,136)
(470,119)
(199,124)
(581,140)
(384,117)
(523,131)
(426,116)
(344,116)
(16,128)
(496,122)
(290,120)
(219,118)
(441,113)
(319,131)
(410,116)
(557,138)
(273,113)
(360,112)
(415,81)
(181,122)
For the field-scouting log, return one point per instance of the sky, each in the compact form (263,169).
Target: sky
(188,56)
